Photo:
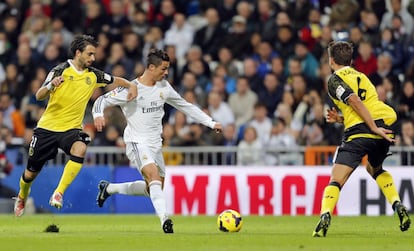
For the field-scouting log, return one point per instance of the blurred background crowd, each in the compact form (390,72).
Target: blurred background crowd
(259,67)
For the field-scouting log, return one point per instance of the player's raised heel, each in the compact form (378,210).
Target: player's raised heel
(19,205)
(56,200)
(323,225)
(167,226)
(402,213)
(102,194)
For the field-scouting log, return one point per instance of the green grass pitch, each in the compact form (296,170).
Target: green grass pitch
(143,232)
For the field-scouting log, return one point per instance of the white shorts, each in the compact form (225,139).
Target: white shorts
(142,155)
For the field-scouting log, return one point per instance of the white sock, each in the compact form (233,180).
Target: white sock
(158,199)
(138,187)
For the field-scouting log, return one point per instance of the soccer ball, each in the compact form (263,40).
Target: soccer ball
(229,221)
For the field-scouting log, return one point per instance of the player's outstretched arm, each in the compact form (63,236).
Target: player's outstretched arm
(132,88)
(355,102)
(46,88)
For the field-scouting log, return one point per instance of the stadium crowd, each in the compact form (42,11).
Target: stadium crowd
(259,67)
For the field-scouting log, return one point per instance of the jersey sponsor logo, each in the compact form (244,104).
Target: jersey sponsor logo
(339,91)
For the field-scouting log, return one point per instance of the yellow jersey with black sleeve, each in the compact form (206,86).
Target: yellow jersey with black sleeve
(346,82)
(67,103)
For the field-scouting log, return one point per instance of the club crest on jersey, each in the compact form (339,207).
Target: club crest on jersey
(71,78)
(88,81)
(161,95)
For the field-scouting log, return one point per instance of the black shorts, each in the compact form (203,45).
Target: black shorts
(45,144)
(351,153)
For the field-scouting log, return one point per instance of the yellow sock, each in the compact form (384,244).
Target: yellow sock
(24,188)
(386,183)
(69,174)
(330,198)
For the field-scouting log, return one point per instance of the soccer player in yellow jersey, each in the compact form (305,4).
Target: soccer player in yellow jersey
(367,123)
(69,86)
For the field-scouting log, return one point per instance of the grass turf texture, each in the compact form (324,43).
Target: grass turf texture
(143,232)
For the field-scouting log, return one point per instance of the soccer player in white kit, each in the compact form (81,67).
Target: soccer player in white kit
(142,134)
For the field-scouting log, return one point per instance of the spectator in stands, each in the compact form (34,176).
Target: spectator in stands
(397,9)
(242,102)
(229,83)
(180,34)
(406,139)
(117,23)
(246,9)
(366,61)
(189,83)
(280,137)
(139,22)
(230,139)
(165,17)
(250,149)
(58,29)
(406,105)
(300,11)
(195,56)
(263,56)
(308,62)
(132,46)
(226,10)
(6,49)
(65,10)
(11,82)
(36,12)
(95,16)
(12,118)
(319,49)
(261,122)
(298,89)
(250,72)
(208,38)
(390,45)
(237,39)
(269,33)
(50,57)
(278,69)
(285,41)
(227,60)
(175,66)
(369,26)
(266,14)
(117,56)
(272,93)
(26,66)
(384,70)
(219,109)
(311,31)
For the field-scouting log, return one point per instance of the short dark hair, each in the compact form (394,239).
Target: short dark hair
(156,57)
(80,42)
(341,52)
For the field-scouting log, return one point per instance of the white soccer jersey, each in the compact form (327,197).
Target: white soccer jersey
(144,114)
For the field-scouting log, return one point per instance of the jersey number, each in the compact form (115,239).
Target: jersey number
(362,93)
